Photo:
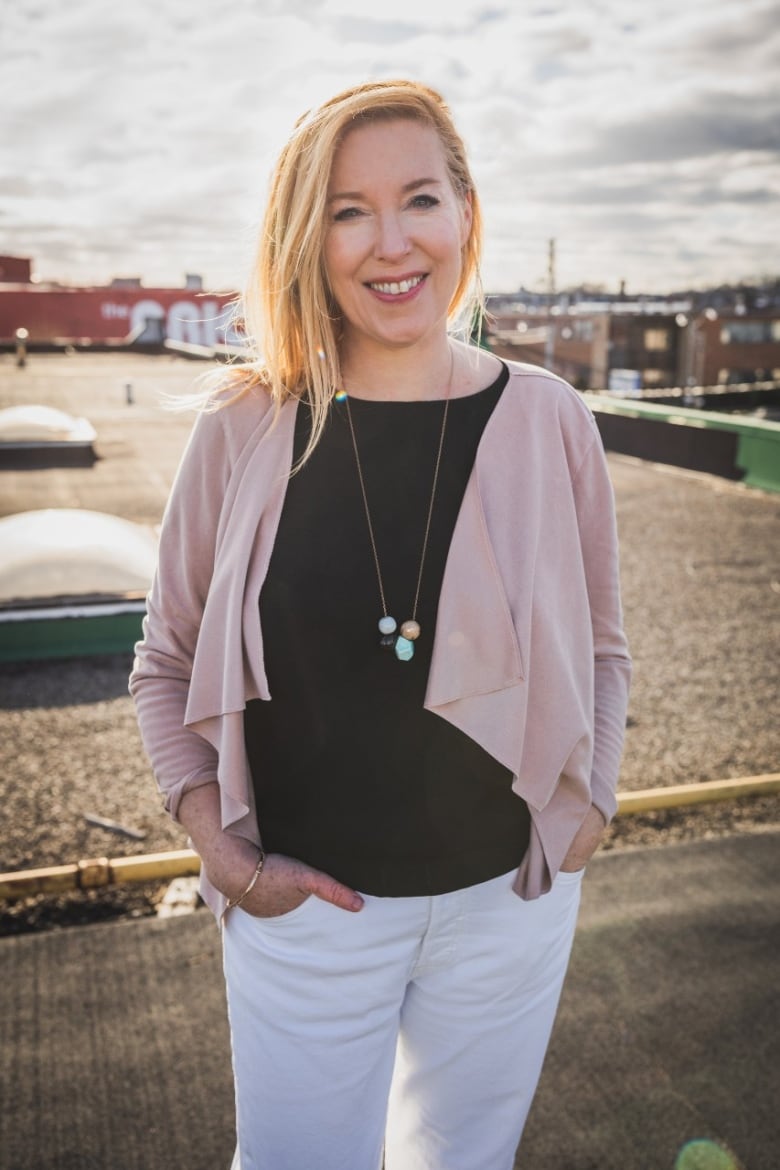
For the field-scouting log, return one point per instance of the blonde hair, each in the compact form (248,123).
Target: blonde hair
(291,320)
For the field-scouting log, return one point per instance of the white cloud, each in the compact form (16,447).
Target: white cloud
(643,137)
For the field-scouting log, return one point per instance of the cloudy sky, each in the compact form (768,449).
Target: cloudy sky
(643,135)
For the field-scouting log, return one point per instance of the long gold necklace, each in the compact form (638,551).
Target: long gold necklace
(401,641)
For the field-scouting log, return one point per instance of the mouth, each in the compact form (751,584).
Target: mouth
(396,288)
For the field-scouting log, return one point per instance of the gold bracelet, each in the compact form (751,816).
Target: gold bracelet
(252,882)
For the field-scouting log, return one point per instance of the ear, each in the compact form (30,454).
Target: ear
(467,218)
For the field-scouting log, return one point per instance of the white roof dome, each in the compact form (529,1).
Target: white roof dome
(43,424)
(71,552)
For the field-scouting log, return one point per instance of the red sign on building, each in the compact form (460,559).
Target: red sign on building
(111,314)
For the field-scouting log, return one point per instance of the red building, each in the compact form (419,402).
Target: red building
(123,312)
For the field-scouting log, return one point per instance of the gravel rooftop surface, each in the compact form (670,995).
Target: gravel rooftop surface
(701,589)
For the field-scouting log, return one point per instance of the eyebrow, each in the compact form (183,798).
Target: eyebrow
(407,187)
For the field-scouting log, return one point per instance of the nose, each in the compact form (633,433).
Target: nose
(392,242)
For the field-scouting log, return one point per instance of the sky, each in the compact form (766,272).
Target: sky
(642,135)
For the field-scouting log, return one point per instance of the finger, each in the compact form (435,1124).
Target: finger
(325,887)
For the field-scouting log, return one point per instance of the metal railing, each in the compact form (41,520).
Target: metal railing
(99,872)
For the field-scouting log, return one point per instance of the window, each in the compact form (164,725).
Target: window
(749,332)
(656,338)
(741,377)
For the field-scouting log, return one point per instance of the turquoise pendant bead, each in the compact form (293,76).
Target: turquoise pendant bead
(404,649)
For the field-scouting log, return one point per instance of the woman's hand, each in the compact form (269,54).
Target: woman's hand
(586,841)
(283,885)
(230,862)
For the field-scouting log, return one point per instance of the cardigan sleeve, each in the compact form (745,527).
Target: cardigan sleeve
(159,683)
(612,664)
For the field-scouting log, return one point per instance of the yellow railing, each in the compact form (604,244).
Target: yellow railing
(96,872)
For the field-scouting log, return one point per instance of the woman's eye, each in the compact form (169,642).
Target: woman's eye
(425,201)
(346,213)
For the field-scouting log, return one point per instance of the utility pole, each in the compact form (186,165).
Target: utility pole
(549,344)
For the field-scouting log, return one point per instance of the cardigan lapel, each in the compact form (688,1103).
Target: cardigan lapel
(228,668)
(476,650)
(483,652)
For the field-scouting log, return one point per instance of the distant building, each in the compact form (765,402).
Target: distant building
(646,345)
(576,347)
(122,313)
(729,348)
(15,269)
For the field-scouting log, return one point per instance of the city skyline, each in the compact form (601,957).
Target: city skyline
(644,138)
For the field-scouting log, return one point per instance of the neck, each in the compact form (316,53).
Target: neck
(407,374)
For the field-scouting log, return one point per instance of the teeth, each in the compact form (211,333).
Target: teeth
(394,288)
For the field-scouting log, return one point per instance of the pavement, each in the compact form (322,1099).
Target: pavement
(116,1053)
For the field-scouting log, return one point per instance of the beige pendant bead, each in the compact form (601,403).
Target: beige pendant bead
(410,630)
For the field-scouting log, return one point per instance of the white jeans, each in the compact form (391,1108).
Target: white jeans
(417,1026)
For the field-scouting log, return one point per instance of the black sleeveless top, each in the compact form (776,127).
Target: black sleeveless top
(350,773)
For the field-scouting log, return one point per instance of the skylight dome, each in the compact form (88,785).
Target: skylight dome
(43,424)
(71,552)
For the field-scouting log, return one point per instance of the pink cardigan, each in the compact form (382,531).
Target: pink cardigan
(529,655)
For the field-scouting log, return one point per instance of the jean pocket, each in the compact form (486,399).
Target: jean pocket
(280,919)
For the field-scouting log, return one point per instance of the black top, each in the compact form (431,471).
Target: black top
(351,774)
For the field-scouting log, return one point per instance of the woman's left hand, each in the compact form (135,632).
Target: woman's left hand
(586,841)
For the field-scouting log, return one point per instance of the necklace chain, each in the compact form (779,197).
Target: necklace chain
(364,494)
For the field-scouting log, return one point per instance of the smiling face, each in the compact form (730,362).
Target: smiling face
(394,237)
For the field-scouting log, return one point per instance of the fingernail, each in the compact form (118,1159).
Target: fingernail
(357,902)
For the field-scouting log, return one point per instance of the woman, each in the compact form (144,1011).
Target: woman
(385,694)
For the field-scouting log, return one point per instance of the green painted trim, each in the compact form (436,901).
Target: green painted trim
(758,440)
(759,455)
(69,637)
(682,415)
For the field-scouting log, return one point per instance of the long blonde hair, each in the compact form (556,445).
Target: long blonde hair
(290,318)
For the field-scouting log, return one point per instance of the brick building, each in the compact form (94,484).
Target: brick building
(644,346)
(728,348)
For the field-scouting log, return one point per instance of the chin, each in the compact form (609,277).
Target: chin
(405,335)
